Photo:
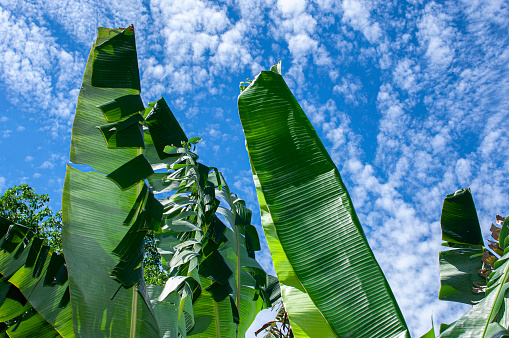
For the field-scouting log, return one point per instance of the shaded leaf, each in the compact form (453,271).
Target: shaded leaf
(124,134)
(164,128)
(458,272)
(459,219)
(131,172)
(215,268)
(122,107)
(115,62)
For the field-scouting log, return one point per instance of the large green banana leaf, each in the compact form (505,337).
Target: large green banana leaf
(306,320)
(88,143)
(107,217)
(460,270)
(94,209)
(323,250)
(106,135)
(34,285)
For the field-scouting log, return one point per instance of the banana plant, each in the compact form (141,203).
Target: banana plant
(204,257)
(108,212)
(107,136)
(331,283)
(471,273)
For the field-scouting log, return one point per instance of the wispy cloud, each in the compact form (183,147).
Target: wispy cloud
(37,72)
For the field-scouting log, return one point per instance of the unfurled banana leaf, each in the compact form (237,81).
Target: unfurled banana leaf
(459,267)
(462,278)
(306,320)
(321,255)
(98,106)
(34,289)
(107,135)
(108,213)
(93,215)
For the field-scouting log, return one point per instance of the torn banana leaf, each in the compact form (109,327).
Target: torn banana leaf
(33,287)
(99,105)
(92,228)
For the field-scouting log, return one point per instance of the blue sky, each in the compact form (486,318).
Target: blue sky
(411,99)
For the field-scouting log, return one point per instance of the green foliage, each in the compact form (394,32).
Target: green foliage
(22,205)
(317,244)
(462,234)
(34,294)
(114,224)
(154,274)
(471,273)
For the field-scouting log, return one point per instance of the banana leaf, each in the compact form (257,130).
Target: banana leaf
(459,266)
(480,320)
(94,207)
(99,105)
(32,289)
(306,320)
(459,220)
(326,254)
(458,272)
(92,228)
(489,317)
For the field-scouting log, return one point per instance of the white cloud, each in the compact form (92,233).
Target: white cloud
(199,42)
(463,170)
(291,7)
(29,159)
(301,46)
(6,133)
(36,175)
(20,128)
(351,90)
(335,126)
(356,14)
(406,75)
(435,35)
(47,165)
(4,119)
(2,183)
(31,58)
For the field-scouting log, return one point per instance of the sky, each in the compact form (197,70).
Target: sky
(411,99)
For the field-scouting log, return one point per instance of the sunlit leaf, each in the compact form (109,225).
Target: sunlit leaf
(307,210)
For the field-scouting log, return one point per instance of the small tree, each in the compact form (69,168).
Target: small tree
(22,205)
